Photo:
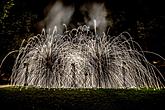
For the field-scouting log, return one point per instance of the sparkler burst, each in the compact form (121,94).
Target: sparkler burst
(80,58)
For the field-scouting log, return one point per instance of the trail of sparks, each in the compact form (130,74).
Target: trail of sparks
(82,59)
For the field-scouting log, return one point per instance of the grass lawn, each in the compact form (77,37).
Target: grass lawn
(21,98)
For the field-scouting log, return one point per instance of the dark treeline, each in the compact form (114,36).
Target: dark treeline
(143,19)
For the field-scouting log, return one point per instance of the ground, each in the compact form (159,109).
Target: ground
(21,98)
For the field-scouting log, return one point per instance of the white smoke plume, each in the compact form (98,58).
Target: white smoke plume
(58,15)
(98,12)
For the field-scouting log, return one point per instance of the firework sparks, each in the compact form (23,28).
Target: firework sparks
(82,59)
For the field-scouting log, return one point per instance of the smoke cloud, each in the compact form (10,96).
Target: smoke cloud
(58,15)
(95,11)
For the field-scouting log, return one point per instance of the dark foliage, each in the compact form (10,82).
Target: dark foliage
(81,99)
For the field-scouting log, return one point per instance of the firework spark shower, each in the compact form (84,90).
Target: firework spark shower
(81,58)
